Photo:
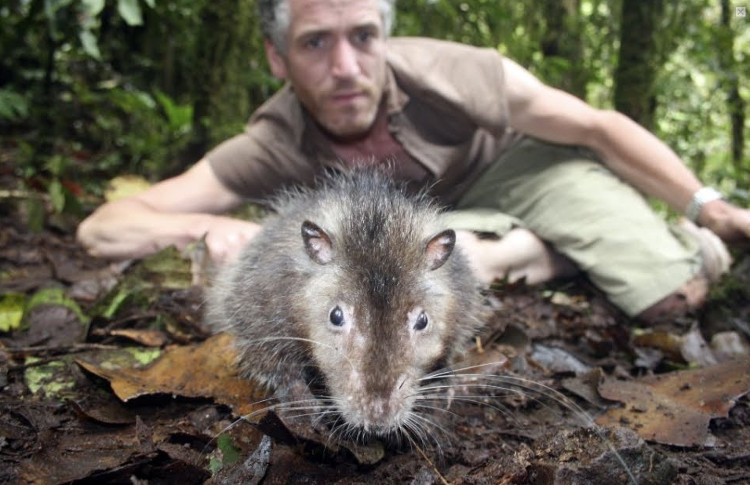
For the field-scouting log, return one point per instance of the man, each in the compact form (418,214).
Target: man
(503,149)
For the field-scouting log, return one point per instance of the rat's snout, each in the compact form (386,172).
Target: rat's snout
(380,407)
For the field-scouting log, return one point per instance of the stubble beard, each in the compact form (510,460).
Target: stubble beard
(355,121)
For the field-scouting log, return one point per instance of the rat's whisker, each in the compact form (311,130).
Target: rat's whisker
(537,392)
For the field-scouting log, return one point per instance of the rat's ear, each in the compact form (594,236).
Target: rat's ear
(317,243)
(440,248)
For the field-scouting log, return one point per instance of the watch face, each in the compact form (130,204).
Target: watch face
(701,197)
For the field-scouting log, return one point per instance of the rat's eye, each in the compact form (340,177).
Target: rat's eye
(421,322)
(337,316)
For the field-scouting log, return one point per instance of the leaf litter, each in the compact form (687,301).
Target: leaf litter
(204,370)
(677,408)
(115,379)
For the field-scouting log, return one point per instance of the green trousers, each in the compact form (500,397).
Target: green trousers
(569,199)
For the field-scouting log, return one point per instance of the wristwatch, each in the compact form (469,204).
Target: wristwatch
(701,197)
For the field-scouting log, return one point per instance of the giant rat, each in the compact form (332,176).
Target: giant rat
(354,288)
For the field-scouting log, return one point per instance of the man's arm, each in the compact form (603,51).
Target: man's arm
(176,212)
(630,151)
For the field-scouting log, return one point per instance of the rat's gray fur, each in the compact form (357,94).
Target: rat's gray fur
(358,243)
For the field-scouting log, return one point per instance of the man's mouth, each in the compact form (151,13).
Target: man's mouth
(347,96)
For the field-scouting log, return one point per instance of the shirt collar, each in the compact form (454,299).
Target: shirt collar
(314,143)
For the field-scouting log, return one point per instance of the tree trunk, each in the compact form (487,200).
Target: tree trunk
(228,44)
(562,46)
(638,60)
(735,103)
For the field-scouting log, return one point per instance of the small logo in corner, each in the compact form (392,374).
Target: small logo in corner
(740,12)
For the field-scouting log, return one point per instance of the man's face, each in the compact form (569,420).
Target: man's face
(335,60)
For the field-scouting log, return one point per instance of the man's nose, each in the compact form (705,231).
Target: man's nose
(344,61)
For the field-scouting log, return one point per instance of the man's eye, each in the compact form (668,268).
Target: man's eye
(363,36)
(315,42)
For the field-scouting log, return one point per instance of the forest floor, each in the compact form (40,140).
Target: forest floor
(107,375)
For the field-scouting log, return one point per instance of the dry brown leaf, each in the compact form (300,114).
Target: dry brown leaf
(149,338)
(106,412)
(70,457)
(206,370)
(667,342)
(676,408)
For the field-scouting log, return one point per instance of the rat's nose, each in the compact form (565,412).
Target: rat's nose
(382,409)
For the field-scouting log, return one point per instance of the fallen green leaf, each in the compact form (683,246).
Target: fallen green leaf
(50,377)
(116,301)
(56,296)
(11,311)
(144,356)
(167,269)
(127,358)
(228,456)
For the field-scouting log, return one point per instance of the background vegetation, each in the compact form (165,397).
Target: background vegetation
(92,88)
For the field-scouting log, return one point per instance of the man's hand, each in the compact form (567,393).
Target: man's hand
(174,212)
(225,237)
(730,223)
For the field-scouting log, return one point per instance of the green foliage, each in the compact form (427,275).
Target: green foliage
(692,113)
(89,11)
(14,107)
(537,34)
(142,133)
(61,89)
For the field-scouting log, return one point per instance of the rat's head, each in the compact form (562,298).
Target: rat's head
(383,309)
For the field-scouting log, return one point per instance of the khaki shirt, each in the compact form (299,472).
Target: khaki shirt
(446,106)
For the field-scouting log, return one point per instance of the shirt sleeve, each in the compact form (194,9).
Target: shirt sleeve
(265,157)
(465,80)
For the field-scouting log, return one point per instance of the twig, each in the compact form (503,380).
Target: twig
(19,352)
(424,455)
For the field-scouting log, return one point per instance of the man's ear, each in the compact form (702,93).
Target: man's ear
(275,60)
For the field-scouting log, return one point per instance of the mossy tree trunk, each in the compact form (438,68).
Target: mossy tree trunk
(730,81)
(562,46)
(227,56)
(639,59)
